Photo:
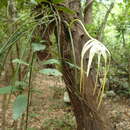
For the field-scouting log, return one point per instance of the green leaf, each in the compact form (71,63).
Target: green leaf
(7,90)
(57,1)
(3,3)
(38,47)
(19,106)
(33,2)
(66,10)
(19,61)
(12,39)
(42,1)
(51,61)
(72,65)
(53,72)
(43,41)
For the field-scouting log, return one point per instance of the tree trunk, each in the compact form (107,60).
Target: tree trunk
(88,12)
(129,73)
(88,117)
(84,107)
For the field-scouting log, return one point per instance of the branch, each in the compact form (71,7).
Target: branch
(88,12)
(102,27)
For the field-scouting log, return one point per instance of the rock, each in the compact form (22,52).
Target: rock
(111,93)
(66,97)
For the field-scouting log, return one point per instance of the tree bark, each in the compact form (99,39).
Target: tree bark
(76,6)
(129,73)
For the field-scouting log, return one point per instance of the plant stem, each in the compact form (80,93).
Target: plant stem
(29,91)
(4,112)
(102,27)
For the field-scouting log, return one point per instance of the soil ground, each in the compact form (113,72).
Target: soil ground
(49,112)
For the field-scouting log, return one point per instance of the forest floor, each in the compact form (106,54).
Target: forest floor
(49,112)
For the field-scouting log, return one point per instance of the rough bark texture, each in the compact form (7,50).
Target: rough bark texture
(129,72)
(76,6)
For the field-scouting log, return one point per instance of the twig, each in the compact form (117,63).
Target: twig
(102,27)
